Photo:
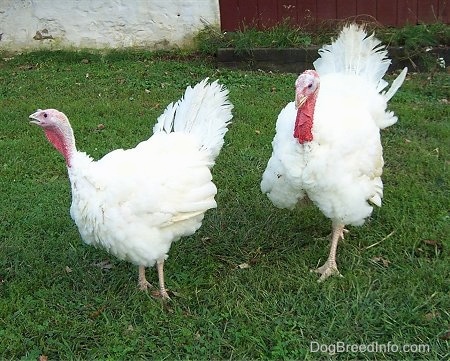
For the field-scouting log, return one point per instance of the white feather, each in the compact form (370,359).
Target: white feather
(396,84)
(204,112)
(282,178)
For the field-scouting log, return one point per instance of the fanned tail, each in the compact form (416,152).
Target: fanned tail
(204,112)
(354,52)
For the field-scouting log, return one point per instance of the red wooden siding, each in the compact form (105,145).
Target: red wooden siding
(265,13)
(368,8)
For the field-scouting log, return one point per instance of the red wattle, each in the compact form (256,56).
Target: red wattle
(304,123)
(58,143)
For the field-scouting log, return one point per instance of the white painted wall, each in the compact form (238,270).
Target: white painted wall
(100,24)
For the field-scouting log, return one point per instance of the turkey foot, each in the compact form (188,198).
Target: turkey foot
(142,282)
(327,269)
(163,295)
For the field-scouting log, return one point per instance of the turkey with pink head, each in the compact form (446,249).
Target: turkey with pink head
(134,203)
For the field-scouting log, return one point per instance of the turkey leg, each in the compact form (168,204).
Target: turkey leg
(329,268)
(162,289)
(142,282)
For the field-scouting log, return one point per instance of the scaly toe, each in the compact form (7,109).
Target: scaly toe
(144,285)
(344,232)
(327,270)
(161,294)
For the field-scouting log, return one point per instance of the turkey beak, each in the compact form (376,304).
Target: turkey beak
(300,99)
(34,117)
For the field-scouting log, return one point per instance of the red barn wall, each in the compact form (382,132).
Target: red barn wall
(265,13)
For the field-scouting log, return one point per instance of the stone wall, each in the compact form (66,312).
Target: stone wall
(100,24)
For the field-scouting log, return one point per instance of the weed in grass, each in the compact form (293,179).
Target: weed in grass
(417,40)
(57,300)
(414,39)
(282,35)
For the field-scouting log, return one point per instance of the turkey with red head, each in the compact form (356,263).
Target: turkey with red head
(327,145)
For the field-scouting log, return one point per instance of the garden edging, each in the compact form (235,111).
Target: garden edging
(295,60)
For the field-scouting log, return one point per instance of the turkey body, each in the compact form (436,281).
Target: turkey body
(340,169)
(134,203)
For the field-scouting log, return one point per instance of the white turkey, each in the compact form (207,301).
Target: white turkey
(327,145)
(134,203)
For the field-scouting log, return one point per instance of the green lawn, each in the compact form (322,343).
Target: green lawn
(66,300)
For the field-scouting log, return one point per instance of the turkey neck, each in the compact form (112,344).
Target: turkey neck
(304,120)
(64,141)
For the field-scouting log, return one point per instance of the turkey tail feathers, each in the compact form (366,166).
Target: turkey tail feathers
(353,52)
(204,112)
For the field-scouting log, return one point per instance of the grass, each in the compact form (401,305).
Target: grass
(415,40)
(65,300)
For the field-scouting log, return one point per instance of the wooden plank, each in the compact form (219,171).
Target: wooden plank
(229,20)
(427,11)
(346,9)
(367,9)
(248,13)
(326,10)
(287,9)
(268,13)
(444,11)
(387,12)
(307,12)
(406,12)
